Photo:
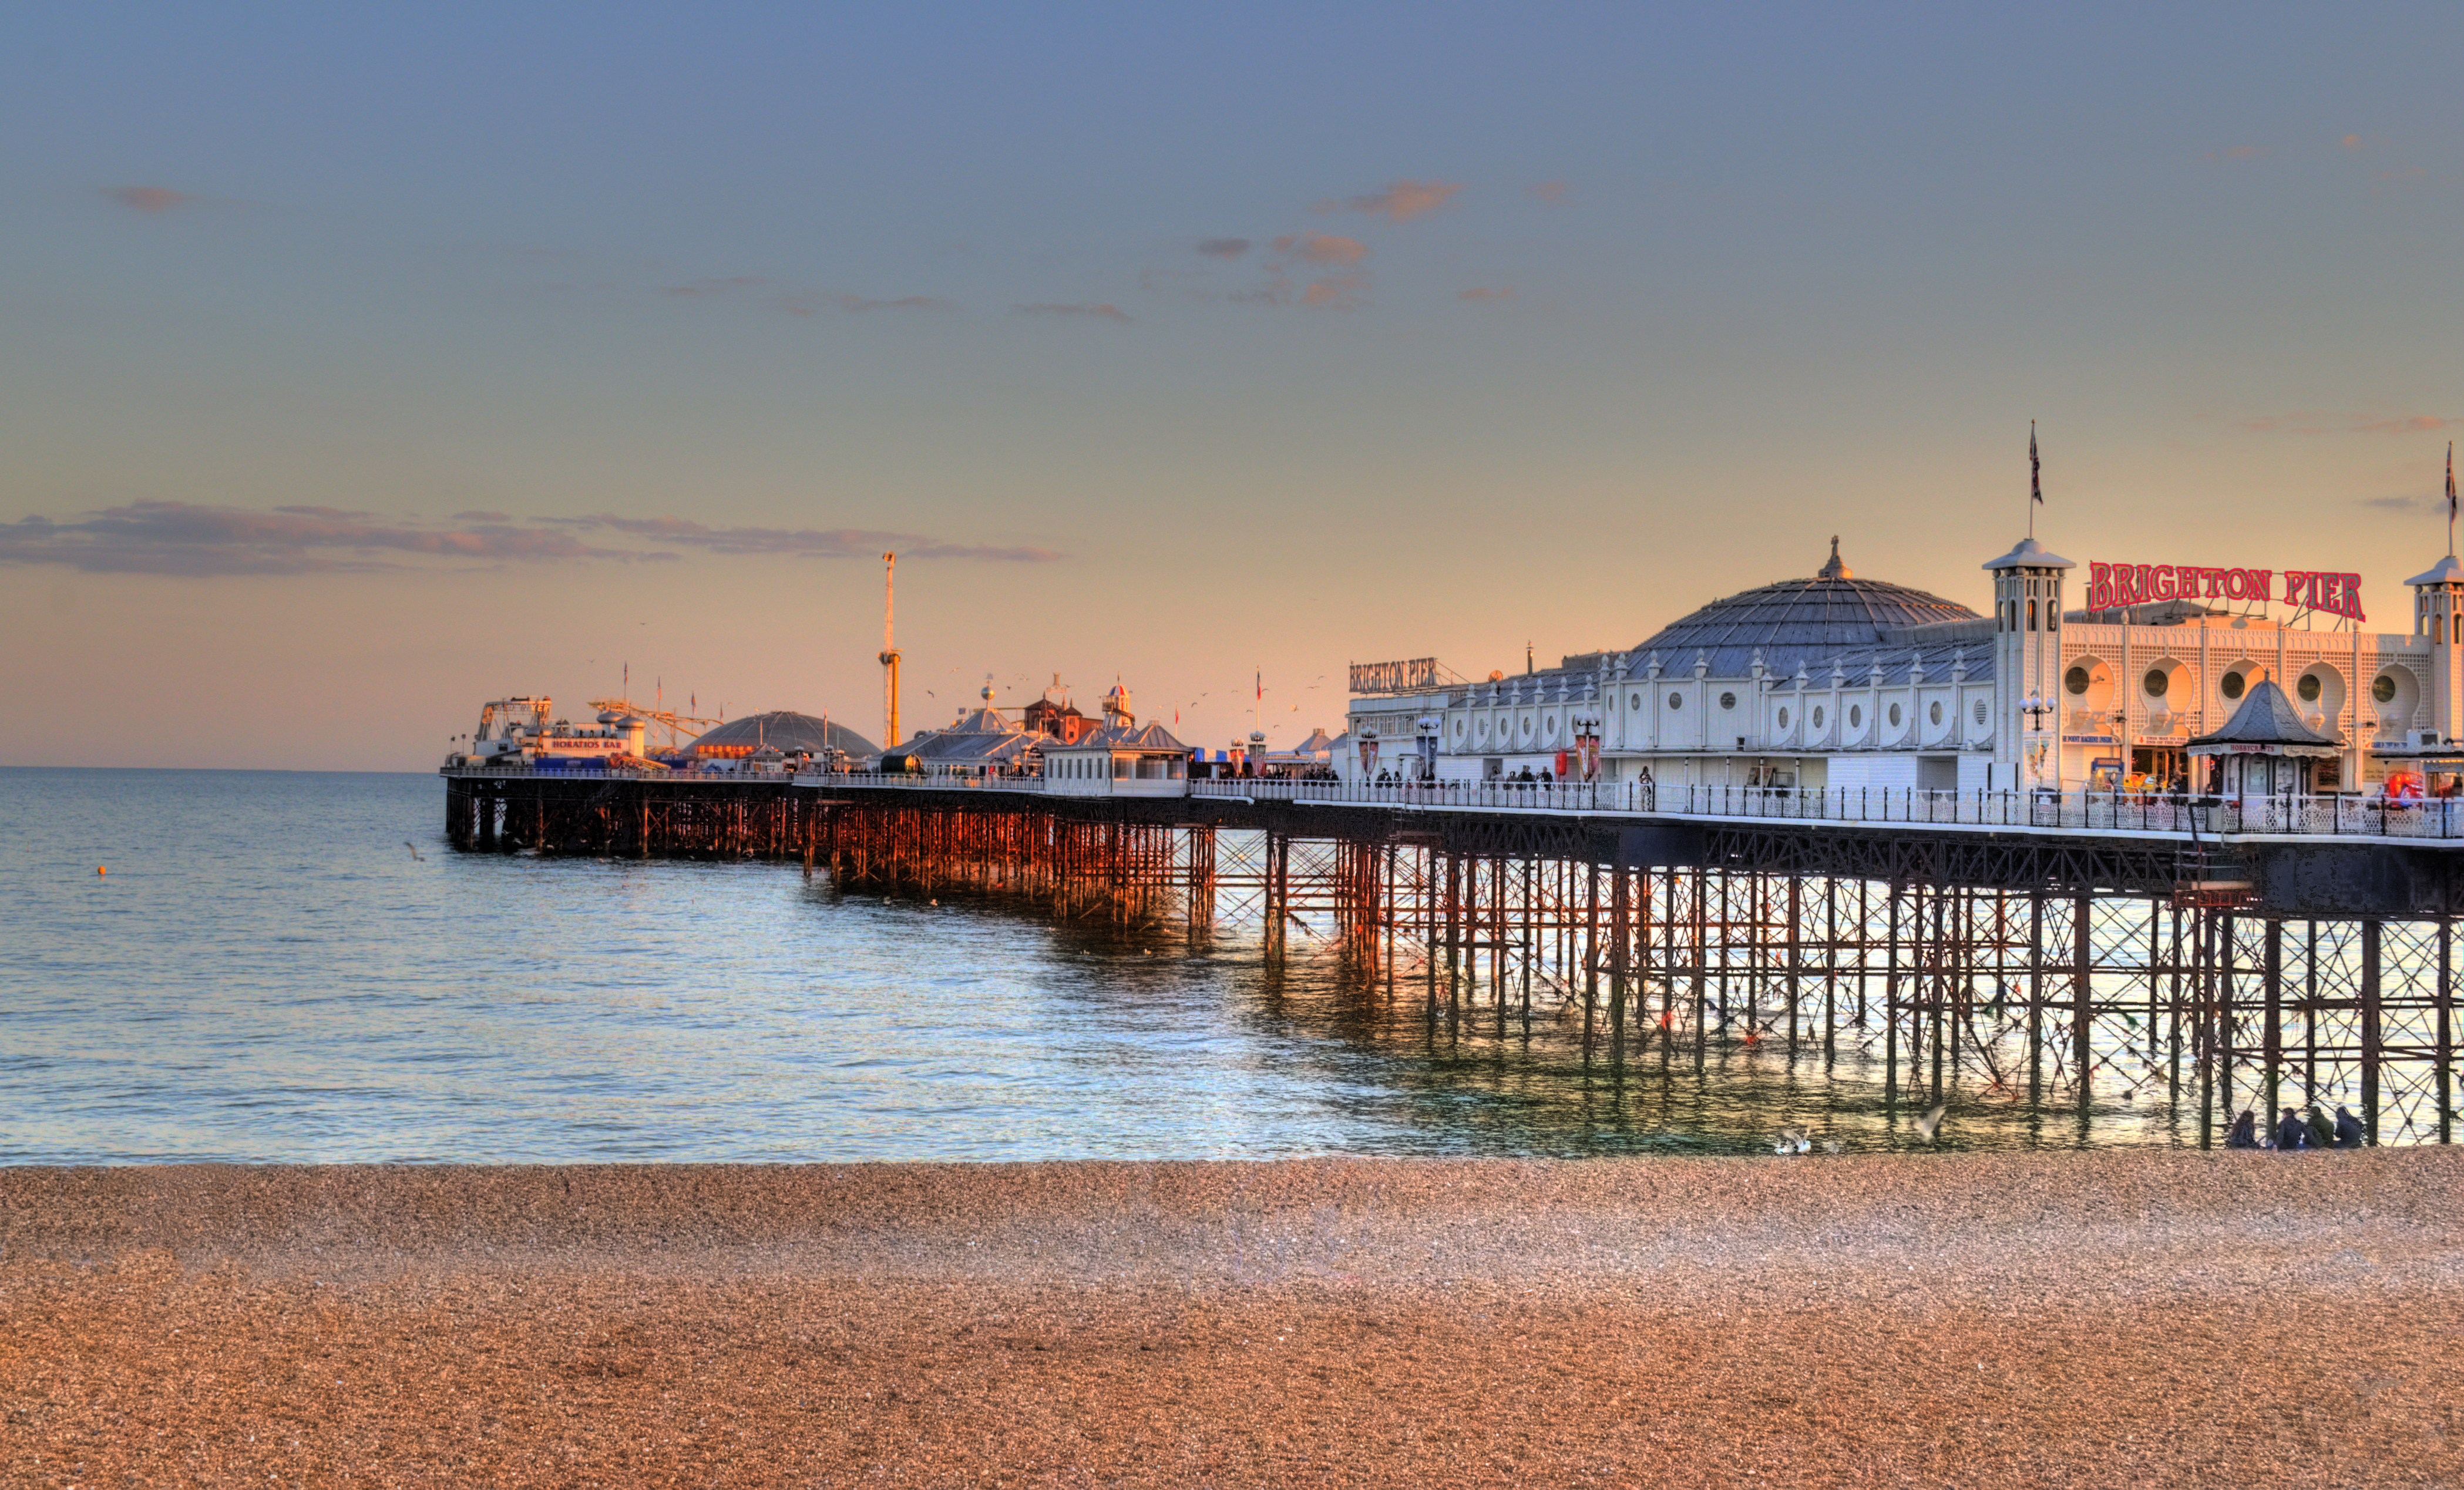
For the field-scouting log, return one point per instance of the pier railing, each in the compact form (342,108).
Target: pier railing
(2125,812)
(2106,811)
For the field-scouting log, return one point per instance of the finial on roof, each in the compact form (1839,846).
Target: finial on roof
(1835,569)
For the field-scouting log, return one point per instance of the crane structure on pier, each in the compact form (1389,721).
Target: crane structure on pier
(675,724)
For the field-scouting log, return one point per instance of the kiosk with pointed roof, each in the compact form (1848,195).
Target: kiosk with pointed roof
(2265,749)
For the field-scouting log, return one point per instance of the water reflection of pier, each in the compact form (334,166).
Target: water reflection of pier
(2050,968)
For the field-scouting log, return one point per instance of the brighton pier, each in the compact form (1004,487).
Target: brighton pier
(2266,937)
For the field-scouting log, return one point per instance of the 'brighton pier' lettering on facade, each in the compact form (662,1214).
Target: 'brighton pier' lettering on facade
(2112,586)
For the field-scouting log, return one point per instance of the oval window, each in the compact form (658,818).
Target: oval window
(2383,689)
(1855,716)
(1634,701)
(1980,711)
(1817,717)
(1895,717)
(1728,700)
(1526,726)
(1934,713)
(2308,687)
(1676,700)
(2233,685)
(2074,681)
(2157,682)
(1783,718)
(1552,727)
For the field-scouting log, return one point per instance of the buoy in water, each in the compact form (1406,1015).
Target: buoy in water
(99,869)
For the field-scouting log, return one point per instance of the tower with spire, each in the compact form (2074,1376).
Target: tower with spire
(2027,665)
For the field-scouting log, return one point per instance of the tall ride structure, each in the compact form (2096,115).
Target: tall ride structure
(888,652)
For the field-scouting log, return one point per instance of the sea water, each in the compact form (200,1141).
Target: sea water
(294,966)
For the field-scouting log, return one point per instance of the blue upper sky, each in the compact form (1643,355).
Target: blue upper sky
(401,361)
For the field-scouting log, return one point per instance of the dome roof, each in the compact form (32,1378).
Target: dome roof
(789,730)
(1793,622)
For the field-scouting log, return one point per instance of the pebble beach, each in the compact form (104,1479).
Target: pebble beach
(2123,1317)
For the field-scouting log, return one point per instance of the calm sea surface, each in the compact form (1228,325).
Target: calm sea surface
(267,972)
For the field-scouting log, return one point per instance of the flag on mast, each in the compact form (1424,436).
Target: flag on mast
(1262,683)
(2451,497)
(2036,469)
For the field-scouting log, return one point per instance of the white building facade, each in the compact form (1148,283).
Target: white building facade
(1839,681)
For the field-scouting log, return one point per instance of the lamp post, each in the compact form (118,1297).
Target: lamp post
(2036,708)
(1428,728)
(1587,744)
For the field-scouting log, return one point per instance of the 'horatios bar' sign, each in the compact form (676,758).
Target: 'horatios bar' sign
(2112,586)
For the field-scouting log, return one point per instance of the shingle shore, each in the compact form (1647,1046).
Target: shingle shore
(2044,1319)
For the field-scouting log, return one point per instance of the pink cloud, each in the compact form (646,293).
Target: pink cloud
(2349,424)
(1101,312)
(1398,202)
(1222,248)
(1321,247)
(905,302)
(1553,193)
(1479,292)
(148,199)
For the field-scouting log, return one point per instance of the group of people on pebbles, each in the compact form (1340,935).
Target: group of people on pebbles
(2294,1132)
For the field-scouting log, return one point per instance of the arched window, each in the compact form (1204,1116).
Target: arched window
(2032,615)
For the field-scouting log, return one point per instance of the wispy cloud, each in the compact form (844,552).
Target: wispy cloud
(189,539)
(1321,247)
(1399,201)
(716,285)
(194,540)
(148,199)
(1553,193)
(1222,248)
(2415,502)
(2240,152)
(1101,312)
(1486,293)
(1335,292)
(2349,424)
(802,543)
(858,304)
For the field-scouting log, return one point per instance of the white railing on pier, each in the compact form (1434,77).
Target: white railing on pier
(927,781)
(596,772)
(2351,815)
(2116,812)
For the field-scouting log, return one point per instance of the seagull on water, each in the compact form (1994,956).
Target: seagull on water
(1792,1140)
(1931,1124)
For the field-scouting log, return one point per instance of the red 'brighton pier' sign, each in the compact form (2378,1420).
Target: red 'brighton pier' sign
(2112,586)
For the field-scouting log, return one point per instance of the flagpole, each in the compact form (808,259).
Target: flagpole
(2451,499)
(2035,486)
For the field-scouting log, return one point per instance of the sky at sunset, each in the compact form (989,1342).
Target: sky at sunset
(356,367)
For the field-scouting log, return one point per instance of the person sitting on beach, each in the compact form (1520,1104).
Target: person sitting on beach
(2322,1132)
(2245,1131)
(2292,1134)
(2348,1131)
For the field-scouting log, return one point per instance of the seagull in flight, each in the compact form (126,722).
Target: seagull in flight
(414,850)
(1932,1123)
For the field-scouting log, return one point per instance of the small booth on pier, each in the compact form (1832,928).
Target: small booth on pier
(2266,749)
